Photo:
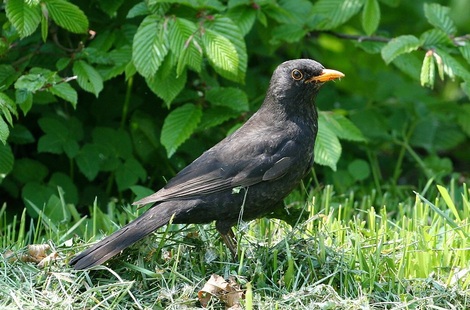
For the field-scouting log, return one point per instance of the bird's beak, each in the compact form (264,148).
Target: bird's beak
(326,75)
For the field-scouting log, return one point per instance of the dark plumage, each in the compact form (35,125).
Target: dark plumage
(255,167)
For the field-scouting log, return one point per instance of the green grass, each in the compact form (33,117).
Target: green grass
(351,253)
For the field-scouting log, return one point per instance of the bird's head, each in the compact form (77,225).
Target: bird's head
(300,78)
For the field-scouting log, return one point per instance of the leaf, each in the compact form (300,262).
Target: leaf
(245,17)
(215,116)
(342,127)
(25,16)
(60,136)
(221,53)
(7,108)
(129,173)
(399,45)
(6,159)
(434,37)
(185,45)
(463,117)
(140,9)
(465,51)
(438,16)
(67,15)
(359,169)
(24,99)
(149,46)
(59,179)
(327,147)
(227,28)
(87,77)
(66,92)
(8,75)
(332,13)
(178,126)
(370,16)
(4,131)
(409,64)
(229,97)
(21,135)
(167,86)
(428,70)
(290,33)
(24,166)
(180,31)
(452,67)
(88,161)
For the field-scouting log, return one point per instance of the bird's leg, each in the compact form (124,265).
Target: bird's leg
(230,241)
(228,237)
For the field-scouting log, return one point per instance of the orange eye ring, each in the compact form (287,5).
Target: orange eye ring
(297,74)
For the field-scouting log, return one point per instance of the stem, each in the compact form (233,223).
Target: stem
(127,100)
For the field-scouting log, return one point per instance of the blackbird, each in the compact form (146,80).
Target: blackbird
(246,175)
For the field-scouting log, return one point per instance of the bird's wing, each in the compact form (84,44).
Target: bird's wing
(216,171)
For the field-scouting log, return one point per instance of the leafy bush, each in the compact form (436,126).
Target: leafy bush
(99,97)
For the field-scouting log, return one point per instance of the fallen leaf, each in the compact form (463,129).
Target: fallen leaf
(226,291)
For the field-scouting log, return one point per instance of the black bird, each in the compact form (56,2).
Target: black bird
(245,176)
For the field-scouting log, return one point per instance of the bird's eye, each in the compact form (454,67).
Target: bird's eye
(297,75)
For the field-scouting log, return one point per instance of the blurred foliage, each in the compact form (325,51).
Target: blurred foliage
(97,97)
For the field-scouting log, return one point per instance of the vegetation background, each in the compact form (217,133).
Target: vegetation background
(103,101)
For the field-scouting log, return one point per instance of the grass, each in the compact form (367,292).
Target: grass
(351,253)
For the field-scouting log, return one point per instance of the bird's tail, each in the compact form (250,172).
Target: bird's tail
(100,252)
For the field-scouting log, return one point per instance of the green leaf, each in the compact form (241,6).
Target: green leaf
(230,97)
(21,135)
(181,31)
(24,99)
(342,127)
(185,45)
(167,85)
(359,169)
(245,17)
(140,9)
(66,92)
(434,37)
(88,161)
(399,45)
(178,126)
(330,14)
(409,64)
(8,75)
(465,51)
(6,159)
(150,46)
(290,33)
(370,16)
(32,82)
(7,108)
(221,53)
(451,66)
(63,181)
(215,116)
(4,131)
(463,117)
(23,168)
(438,16)
(228,29)
(60,136)
(129,173)
(67,15)
(327,147)
(87,77)
(428,71)
(25,16)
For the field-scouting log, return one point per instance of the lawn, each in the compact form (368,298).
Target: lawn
(345,252)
